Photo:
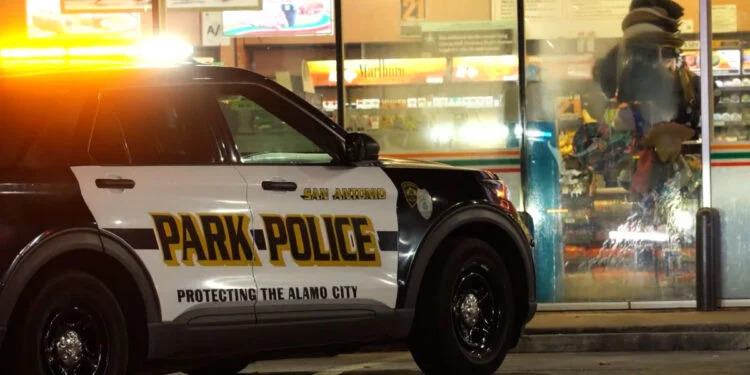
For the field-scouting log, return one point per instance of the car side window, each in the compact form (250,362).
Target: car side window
(263,138)
(34,134)
(150,126)
(270,128)
(107,140)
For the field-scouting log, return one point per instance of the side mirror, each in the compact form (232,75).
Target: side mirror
(361,147)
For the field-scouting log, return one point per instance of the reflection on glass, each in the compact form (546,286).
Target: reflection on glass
(730,147)
(438,83)
(629,165)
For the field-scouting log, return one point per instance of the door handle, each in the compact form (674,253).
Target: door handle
(114,183)
(279,185)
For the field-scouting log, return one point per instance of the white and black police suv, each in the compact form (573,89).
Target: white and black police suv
(205,217)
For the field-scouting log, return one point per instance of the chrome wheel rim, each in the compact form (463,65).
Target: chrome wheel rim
(476,312)
(75,341)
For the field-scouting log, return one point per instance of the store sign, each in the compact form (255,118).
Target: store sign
(380,72)
(141,5)
(469,43)
(413,10)
(47,21)
(281,18)
(212,32)
(485,68)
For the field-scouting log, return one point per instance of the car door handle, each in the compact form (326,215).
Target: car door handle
(279,185)
(114,183)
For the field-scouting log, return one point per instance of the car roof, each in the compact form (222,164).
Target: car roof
(103,78)
(125,77)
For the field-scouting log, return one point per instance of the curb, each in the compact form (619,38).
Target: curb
(634,342)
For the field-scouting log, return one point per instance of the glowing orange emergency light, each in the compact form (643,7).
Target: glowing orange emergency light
(162,50)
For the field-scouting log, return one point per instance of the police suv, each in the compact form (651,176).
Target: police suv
(205,217)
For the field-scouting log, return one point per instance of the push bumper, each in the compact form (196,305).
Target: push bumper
(532,311)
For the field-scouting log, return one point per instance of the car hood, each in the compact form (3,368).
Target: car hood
(391,163)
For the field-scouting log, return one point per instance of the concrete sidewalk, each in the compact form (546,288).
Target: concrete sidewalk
(650,330)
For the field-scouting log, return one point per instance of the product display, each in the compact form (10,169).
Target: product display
(732,89)
(418,118)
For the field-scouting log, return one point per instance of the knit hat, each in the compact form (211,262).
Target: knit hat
(653,23)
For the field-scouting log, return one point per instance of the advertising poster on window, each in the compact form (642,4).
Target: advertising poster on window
(71,6)
(599,9)
(380,72)
(279,18)
(691,59)
(727,62)
(45,20)
(746,61)
(212,33)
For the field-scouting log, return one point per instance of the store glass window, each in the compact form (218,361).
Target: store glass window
(432,80)
(730,146)
(613,148)
(279,39)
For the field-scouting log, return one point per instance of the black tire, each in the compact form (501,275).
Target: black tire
(443,334)
(76,302)
(225,368)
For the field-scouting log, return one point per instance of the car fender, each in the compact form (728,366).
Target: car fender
(454,219)
(51,244)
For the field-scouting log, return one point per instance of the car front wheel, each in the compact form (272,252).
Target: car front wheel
(465,312)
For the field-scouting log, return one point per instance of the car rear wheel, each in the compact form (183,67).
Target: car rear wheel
(71,325)
(465,312)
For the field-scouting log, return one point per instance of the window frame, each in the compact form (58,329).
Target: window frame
(198,97)
(294,115)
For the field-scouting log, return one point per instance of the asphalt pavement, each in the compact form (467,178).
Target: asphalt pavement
(400,363)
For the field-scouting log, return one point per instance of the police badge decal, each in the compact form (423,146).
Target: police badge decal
(410,192)
(424,203)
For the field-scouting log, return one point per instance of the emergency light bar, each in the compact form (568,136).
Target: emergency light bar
(162,50)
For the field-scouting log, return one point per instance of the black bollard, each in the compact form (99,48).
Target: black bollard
(708,243)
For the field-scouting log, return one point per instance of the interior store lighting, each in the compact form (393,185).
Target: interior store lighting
(638,236)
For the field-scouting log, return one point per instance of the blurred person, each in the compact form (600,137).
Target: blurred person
(655,101)
(650,87)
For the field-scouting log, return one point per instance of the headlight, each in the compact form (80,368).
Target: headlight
(499,194)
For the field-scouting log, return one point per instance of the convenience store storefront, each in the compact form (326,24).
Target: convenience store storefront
(442,80)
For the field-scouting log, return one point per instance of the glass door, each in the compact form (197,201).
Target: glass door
(613,150)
